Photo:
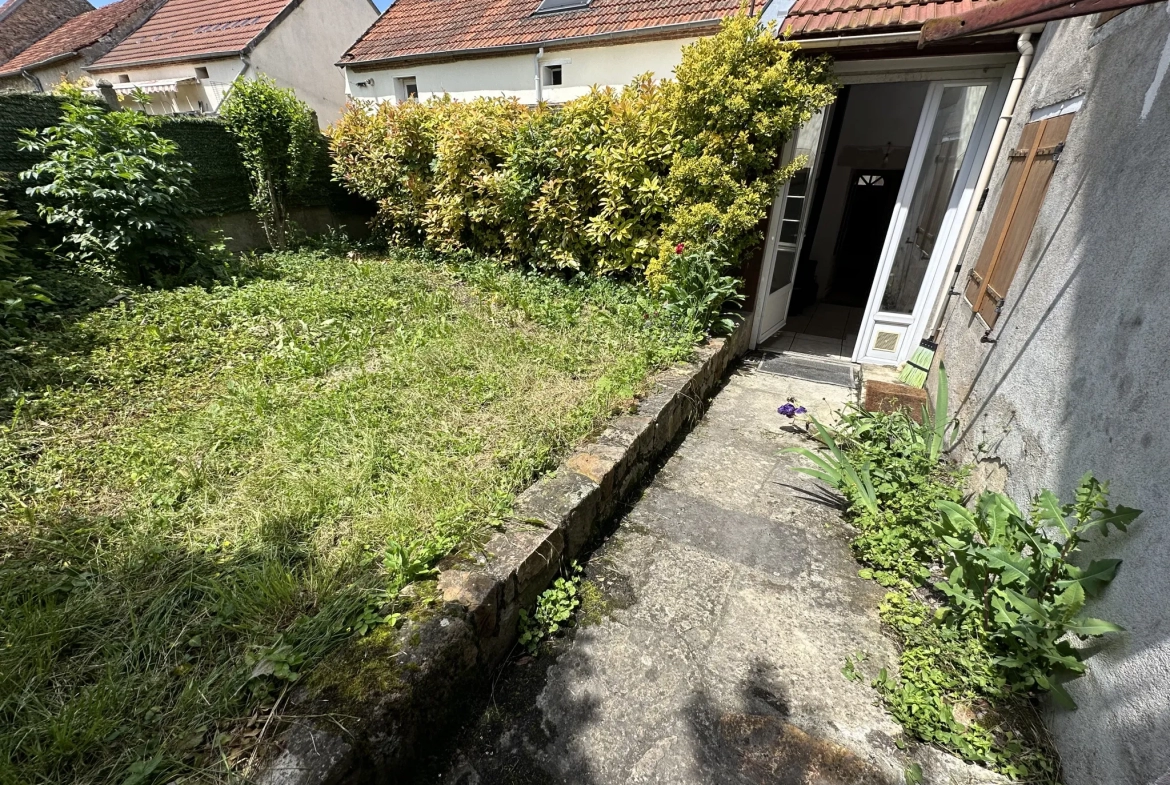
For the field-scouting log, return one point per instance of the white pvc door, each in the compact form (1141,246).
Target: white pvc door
(786,232)
(934,195)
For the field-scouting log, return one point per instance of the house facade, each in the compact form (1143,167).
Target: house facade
(1055,344)
(62,54)
(188,53)
(532,50)
(1007,201)
(859,242)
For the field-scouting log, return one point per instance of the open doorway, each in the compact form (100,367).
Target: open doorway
(867,144)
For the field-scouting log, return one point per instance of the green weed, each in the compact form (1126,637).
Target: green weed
(554,609)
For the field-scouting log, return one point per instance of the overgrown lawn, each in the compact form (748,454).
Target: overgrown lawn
(205,491)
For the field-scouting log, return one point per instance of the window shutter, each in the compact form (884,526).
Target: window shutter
(1029,171)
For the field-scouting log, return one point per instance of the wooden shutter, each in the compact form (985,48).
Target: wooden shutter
(1030,168)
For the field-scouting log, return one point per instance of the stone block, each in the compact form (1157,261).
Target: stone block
(892,396)
(525,559)
(479,592)
(310,756)
(599,462)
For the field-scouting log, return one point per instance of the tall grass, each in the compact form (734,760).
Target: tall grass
(201,487)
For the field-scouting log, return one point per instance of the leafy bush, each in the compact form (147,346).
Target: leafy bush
(278,139)
(119,192)
(610,183)
(10,223)
(1013,578)
(696,290)
(998,629)
(735,100)
(16,291)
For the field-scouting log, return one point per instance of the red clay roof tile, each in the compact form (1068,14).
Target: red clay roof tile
(191,28)
(411,28)
(73,36)
(809,18)
(24,22)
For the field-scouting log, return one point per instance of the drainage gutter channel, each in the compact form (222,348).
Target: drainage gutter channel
(443,657)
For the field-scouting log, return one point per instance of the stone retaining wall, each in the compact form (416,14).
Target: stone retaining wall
(441,658)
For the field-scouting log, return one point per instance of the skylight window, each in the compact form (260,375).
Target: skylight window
(552,6)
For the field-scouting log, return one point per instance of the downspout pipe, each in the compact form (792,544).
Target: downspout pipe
(536,74)
(33,80)
(1027,52)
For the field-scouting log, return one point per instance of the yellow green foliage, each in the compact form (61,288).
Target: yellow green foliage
(610,182)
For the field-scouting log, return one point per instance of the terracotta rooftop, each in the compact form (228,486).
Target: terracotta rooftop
(190,29)
(809,18)
(414,28)
(24,22)
(73,36)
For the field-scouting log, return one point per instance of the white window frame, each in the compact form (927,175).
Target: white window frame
(402,85)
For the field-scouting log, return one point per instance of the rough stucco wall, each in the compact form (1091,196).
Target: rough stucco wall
(302,51)
(1078,377)
(514,75)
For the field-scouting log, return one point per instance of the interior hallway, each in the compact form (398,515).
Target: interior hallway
(822,330)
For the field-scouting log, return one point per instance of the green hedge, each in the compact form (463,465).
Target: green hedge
(17,111)
(220,179)
(219,176)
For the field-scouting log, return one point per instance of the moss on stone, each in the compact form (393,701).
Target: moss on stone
(594,606)
(362,669)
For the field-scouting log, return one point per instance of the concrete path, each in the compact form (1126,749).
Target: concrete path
(729,603)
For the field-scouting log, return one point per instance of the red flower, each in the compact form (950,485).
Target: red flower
(678,248)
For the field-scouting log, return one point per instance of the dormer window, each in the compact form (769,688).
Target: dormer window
(552,6)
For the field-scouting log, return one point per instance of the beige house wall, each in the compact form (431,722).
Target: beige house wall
(211,91)
(302,51)
(515,75)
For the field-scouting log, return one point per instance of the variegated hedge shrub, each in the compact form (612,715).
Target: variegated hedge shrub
(611,182)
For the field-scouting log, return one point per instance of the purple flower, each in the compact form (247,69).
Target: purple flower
(790,410)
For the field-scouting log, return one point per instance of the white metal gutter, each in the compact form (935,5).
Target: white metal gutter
(836,42)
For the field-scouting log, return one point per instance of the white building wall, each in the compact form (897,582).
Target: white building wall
(211,91)
(514,75)
(50,76)
(302,51)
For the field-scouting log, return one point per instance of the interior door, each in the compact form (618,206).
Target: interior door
(872,197)
(934,193)
(786,232)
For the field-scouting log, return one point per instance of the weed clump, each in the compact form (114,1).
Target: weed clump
(987,603)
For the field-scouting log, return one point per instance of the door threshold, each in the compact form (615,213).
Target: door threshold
(807,344)
(810,368)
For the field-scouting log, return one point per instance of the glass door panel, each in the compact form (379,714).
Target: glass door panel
(950,136)
(786,230)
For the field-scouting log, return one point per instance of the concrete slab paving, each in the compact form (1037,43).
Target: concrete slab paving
(730,601)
